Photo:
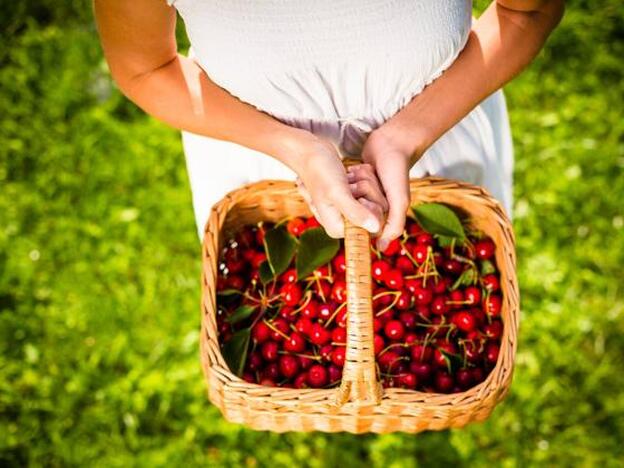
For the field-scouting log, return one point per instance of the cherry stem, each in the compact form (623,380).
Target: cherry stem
(279,332)
(338,309)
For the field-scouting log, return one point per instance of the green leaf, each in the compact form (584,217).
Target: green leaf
(228,292)
(280,248)
(241,313)
(467,278)
(487,267)
(445,241)
(316,248)
(235,351)
(439,219)
(265,272)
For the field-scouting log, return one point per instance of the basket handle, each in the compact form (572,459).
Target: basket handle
(359,377)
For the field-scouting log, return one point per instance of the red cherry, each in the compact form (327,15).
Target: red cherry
(303,325)
(408,319)
(410,337)
(305,362)
(456,297)
(338,356)
(413,228)
(404,301)
(282,329)
(339,335)
(412,285)
(408,380)
(379,268)
(394,330)
(325,352)
(423,296)
(339,292)
(443,382)
(235,282)
(472,295)
(334,373)
(289,276)
(422,370)
(405,266)
(257,260)
(317,376)
(295,343)
(441,285)
(484,249)
(319,335)
(452,266)
(443,349)
(394,279)
(267,382)
(493,330)
(255,361)
(269,351)
(249,377)
(388,361)
(478,375)
(423,312)
(463,378)
(464,321)
(301,381)
(439,306)
(492,305)
(393,248)
(322,288)
(425,239)
(260,332)
(379,344)
(472,351)
(296,226)
(420,253)
(491,282)
(312,222)
(339,262)
(421,353)
(286,313)
(325,311)
(491,352)
(291,293)
(341,318)
(288,366)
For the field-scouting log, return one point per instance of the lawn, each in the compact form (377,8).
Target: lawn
(99,269)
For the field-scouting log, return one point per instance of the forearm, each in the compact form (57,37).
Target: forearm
(182,95)
(501,44)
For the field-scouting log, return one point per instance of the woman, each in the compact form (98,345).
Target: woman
(404,84)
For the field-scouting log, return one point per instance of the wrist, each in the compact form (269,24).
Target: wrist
(410,137)
(292,146)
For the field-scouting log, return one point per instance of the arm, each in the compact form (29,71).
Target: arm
(503,41)
(138,38)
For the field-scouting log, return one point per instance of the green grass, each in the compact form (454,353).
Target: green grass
(99,270)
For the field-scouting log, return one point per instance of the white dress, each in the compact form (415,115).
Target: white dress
(340,69)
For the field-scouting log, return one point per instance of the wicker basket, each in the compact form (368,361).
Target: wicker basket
(359,404)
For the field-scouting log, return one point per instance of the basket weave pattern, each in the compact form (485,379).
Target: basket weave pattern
(359,404)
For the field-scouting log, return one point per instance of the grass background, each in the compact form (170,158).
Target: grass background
(99,268)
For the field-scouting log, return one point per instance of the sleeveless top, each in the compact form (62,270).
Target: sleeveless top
(339,68)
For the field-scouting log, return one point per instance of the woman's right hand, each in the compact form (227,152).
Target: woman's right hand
(331,191)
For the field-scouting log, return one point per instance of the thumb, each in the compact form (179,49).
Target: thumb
(356,213)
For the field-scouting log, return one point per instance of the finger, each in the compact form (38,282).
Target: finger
(375,209)
(364,188)
(395,181)
(331,220)
(355,212)
(308,198)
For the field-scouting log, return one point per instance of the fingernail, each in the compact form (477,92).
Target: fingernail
(371,225)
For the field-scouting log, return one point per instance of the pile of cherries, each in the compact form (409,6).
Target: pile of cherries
(436,312)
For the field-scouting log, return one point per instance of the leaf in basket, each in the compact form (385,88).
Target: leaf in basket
(265,272)
(316,248)
(487,267)
(467,278)
(235,351)
(446,241)
(241,313)
(280,248)
(439,219)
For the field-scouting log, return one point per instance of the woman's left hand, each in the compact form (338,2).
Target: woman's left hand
(388,151)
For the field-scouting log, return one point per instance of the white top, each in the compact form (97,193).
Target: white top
(340,69)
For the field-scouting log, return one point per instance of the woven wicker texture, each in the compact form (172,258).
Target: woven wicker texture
(359,404)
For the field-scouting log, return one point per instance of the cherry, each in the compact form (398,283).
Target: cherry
(378,343)
(325,352)
(341,318)
(235,282)
(339,292)
(493,330)
(267,382)
(403,301)
(295,343)
(317,376)
(463,377)
(394,279)
(378,324)
(288,366)
(421,353)
(423,296)
(301,381)
(322,288)
(422,370)
(388,360)
(453,267)
(249,377)
(303,325)
(408,319)
(456,298)
(289,276)
(410,337)
(325,311)
(379,269)
(491,352)
(260,332)
(408,380)
(339,335)
(269,351)
(393,248)
(405,266)
(290,293)
(310,310)
(255,361)
(338,356)
(478,375)
(472,295)
(442,351)
(438,305)
(491,282)
(335,373)
(464,321)
(441,285)
(412,285)
(319,335)
(394,330)
(286,313)
(296,226)
(484,249)
(281,329)
(339,262)
(305,362)
(492,305)
(425,239)
(312,222)
(443,382)
(413,228)
(257,260)
(420,253)
(472,351)
(423,312)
